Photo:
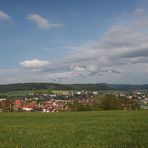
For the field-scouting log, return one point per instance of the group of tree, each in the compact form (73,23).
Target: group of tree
(55,86)
(108,102)
(6,105)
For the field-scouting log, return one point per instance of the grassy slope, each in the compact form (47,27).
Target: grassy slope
(55,86)
(22,93)
(52,86)
(74,129)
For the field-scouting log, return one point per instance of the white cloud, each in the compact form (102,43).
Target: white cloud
(110,59)
(4,16)
(120,56)
(42,22)
(35,63)
(121,48)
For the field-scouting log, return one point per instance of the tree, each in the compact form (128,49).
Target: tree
(6,105)
(110,102)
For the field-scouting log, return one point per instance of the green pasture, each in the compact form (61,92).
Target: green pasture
(23,93)
(102,129)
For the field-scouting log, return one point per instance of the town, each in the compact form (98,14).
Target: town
(59,101)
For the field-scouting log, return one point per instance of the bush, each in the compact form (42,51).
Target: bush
(110,102)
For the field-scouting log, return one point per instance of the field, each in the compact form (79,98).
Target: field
(22,93)
(102,129)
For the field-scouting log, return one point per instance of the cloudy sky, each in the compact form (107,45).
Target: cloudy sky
(77,41)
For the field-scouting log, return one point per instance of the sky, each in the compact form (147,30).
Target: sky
(77,41)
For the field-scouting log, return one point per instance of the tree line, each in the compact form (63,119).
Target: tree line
(107,102)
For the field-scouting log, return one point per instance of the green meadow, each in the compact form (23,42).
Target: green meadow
(102,129)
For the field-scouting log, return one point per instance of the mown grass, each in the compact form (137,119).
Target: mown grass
(102,129)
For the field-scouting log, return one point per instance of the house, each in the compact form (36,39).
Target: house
(27,108)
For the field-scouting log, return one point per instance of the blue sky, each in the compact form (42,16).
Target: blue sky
(79,41)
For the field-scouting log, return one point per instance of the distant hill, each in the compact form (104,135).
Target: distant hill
(55,86)
(51,86)
(128,86)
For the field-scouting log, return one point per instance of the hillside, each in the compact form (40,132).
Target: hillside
(51,86)
(55,86)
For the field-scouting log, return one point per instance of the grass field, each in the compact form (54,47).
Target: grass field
(102,129)
(22,93)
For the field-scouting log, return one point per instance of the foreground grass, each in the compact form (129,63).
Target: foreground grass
(103,129)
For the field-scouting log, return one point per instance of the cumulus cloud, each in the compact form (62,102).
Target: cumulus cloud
(35,63)
(4,16)
(120,56)
(114,56)
(42,22)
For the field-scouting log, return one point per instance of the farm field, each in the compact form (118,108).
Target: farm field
(22,93)
(102,129)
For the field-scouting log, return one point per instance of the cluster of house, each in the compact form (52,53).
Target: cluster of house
(60,102)
(141,96)
(50,105)
(46,102)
